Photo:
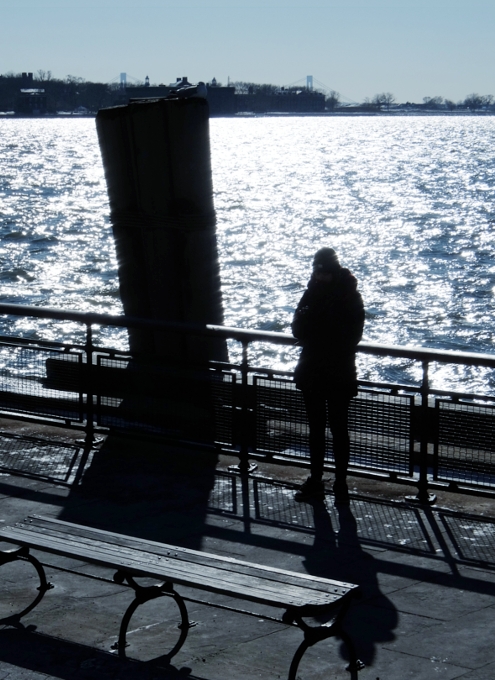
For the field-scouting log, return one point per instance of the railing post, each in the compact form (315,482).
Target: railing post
(423,496)
(243,453)
(90,429)
(244,466)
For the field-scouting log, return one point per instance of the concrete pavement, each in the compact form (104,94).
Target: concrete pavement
(427,574)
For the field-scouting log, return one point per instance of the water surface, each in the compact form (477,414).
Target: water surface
(408,203)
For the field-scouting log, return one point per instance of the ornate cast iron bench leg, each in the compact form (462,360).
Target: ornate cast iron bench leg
(314,634)
(145,594)
(23,554)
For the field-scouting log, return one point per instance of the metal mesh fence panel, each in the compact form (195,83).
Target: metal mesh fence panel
(380,428)
(263,413)
(281,424)
(223,386)
(41,381)
(465,444)
(123,401)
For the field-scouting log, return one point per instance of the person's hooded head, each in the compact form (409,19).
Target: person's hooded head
(326,262)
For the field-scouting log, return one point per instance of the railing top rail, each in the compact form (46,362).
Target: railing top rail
(242,335)
(427,354)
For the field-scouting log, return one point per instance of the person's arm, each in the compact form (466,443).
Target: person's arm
(352,321)
(301,319)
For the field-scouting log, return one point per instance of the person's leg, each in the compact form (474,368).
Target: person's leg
(313,487)
(338,420)
(316,413)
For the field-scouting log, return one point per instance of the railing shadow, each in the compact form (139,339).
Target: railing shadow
(437,533)
(472,537)
(170,495)
(360,544)
(41,458)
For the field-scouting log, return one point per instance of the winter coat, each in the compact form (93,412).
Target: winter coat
(328,323)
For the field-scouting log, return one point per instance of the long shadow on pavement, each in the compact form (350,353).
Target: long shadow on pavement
(144,489)
(174,496)
(337,553)
(32,651)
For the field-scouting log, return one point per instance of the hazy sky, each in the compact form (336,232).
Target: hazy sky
(412,48)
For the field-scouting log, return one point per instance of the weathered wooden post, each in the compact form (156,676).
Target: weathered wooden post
(156,156)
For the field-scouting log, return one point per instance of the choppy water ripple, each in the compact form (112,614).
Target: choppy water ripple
(409,204)
(56,247)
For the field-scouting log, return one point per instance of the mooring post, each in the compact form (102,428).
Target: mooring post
(156,156)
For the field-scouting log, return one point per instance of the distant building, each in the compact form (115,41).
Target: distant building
(281,101)
(31,101)
(222,100)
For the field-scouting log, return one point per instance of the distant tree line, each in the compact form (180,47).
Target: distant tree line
(380,102)
(385,100)
(72,93)
(473,102)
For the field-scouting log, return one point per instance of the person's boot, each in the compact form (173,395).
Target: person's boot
(310,490)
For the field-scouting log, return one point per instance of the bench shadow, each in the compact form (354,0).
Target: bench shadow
(24,647)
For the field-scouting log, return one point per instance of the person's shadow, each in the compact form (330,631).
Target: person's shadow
(337,554)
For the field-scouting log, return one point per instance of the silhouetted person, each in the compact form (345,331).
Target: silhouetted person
(328,323)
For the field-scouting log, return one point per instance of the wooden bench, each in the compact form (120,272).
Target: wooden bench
(299,596)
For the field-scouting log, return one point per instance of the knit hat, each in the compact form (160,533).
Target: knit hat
(326,261)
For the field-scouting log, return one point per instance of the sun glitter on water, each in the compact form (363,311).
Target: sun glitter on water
(408,203)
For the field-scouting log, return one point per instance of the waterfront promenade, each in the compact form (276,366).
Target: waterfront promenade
(427,574)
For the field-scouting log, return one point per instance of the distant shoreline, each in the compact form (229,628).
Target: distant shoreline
(350,114)
(10,115)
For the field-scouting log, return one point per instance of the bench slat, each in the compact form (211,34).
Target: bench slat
(183,566)
(185,554)
(207,578)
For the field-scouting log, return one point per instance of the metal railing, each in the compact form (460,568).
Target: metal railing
(408,433)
